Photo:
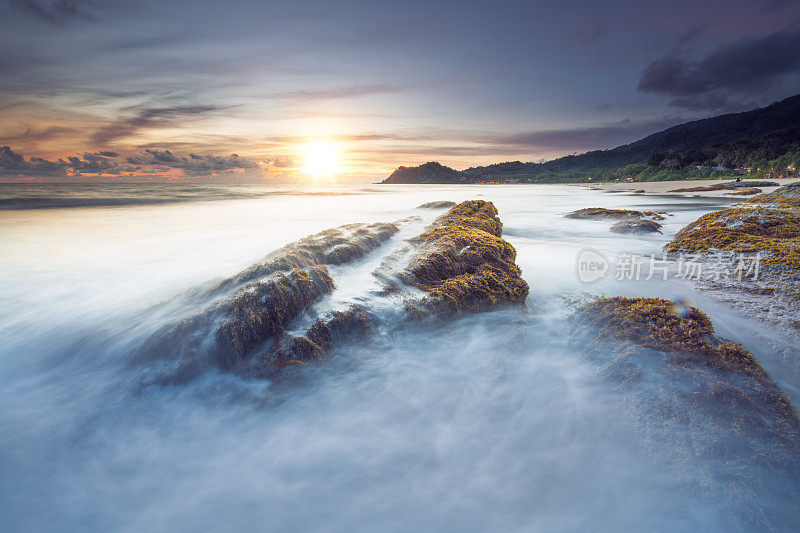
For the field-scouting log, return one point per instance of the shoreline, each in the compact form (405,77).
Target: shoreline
(663,187)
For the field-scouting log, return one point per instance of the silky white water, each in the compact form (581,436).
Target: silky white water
(491,421)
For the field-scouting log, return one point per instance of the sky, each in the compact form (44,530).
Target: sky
(104,90)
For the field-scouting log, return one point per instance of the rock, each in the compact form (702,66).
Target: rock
(601,213)
(441,204)
(351,324)
(261,302)
(636,226)
(464,264)
(745,191)
(787,196)
(774,232)
(756,244)
(460,262)
(728,185)
(701,395)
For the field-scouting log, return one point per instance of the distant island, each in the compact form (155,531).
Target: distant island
(762,143)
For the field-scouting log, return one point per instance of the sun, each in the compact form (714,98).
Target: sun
(321,159)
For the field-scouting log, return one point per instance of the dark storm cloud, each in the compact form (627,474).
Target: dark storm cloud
(730,72)
(55,12)
(13,164)
(149,162)
(148,118)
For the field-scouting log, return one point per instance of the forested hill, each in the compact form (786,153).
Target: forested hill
(696,134)
(730,129)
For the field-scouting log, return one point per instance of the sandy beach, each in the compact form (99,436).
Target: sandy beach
(663,187)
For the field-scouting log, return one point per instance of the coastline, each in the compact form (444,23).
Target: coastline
(663,187)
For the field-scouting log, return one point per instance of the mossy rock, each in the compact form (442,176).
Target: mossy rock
(687,335)
(727,186)
(602,213)
(787,196)
(464,263)
(697,397)
(261,302)
(746,191)
(348,325)
(440,204)
(774,232)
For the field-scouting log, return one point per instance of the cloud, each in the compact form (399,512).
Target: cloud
(55,12)
(589,34)
(150,163)
(730,72)
(336,93)
(154,117)
(195,164)
(30,135)
(14,164)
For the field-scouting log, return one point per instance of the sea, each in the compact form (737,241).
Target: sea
(486,422)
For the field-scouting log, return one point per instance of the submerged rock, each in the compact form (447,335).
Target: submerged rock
(601,213)
(440,204)
(727,186)
(699,397)
(460,263)
(351,324)
(636,226)
(746,191)
(332,247)
(464,264)
(260,303)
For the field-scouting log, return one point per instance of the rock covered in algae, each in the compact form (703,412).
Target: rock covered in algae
(745,191)
(258,304)
(330,247)
(763,232)
(787,196)
(773,232)
(349,325)
(460,261)
(727,186)
(678,329)
(636,226)
(703,399)
(464,264)
(439,204)
(602,213)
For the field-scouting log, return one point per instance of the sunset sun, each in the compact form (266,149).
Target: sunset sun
(321,159)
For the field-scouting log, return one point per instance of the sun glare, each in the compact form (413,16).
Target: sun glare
(321,159)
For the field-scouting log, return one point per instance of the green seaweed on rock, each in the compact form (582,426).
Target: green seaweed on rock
(464,264)
(686,333)
(602,213)
(775,232)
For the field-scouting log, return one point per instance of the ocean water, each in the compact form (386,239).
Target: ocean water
(491,421)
